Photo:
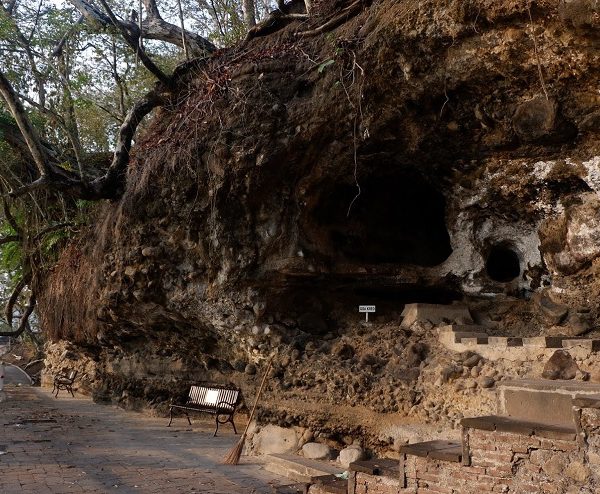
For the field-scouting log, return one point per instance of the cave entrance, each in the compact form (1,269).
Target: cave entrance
(503,263)
(396,219)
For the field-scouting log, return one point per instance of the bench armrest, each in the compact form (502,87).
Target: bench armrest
(229,404)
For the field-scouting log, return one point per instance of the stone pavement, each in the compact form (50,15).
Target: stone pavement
(67,445)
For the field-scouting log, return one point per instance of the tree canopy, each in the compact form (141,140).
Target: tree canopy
(77,79)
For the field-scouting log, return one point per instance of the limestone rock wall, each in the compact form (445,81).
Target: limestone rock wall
(243,233)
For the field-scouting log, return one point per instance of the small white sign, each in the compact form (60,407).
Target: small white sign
(367,309)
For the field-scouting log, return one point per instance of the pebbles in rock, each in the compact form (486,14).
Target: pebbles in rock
(486,382)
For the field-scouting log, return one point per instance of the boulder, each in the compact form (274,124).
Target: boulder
(351,454)
(316,451)
(560,366)
(273,439)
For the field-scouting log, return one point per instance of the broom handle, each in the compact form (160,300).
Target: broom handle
(262,385)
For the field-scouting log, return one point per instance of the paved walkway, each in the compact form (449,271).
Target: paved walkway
(14,375)
(67,445)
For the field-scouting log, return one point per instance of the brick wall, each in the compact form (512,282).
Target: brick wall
(500,463)
(373,484)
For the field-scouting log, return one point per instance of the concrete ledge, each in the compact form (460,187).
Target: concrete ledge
(542,400)
(589,401)
(522,427)
(505,341)
(299,469)
(437,450)
(544,341)
(386,467)
(588,344)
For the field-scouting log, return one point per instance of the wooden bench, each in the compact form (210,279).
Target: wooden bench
(217,400)
(64,381)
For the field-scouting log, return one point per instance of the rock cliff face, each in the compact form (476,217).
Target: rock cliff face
(422,151)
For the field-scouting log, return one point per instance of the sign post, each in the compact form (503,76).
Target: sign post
(367,309)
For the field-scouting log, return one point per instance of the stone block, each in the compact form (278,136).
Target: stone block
(436,314)
(541,400)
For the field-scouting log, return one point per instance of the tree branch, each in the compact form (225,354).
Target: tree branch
(10,219)
(114,178)
(24,321)
(14,296)
(27,130)
(153,27)
(52,228)
(131,35)
(58,49)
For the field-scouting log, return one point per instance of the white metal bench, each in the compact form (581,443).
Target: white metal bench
(215,399)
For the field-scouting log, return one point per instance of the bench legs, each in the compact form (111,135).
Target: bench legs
(171,417)
(66,387)
(218,419)
(219,422)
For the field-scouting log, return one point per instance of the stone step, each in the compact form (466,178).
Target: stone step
(587,343)
(543,342)
(522,427)
(384,467)
(436,450)
(435,313)
(457,333)
(299,469)
(542,400)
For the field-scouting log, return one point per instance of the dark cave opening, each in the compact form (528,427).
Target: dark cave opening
(503,263)
(396,219)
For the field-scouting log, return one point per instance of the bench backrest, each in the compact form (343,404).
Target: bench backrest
(72,375)
(212,397)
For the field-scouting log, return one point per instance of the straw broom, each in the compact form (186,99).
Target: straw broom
(233,457)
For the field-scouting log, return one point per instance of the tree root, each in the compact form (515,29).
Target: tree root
(349,12)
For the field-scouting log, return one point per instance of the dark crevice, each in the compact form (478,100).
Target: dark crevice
(503,264)
(396,219)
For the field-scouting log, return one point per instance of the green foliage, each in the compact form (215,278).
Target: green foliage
(51,243)
(11,254)
(11,259)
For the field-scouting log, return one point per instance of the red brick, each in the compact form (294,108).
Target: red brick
(503,471)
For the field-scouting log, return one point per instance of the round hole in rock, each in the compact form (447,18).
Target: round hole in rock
(395,219)
(503,264)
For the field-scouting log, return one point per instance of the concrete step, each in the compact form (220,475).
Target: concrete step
(436,450)
(518,426)
(299,469)
(542,400)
